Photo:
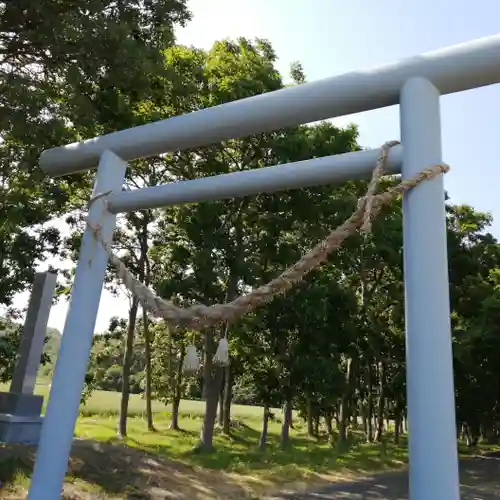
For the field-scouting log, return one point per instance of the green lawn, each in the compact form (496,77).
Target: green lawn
(163,461)
(106,403)
(103,465)
(103,402)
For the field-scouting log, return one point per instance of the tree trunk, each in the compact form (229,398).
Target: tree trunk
(177,391)
(127,361)
(132,317)
(220,413)
(310,426)
(265,425)
(469,438)
(337,418)
(369,400)
(285,428)
(212,399)
(174,424)
(344,404)
(228,396)
(316,426)
(147,346)
(212,380)
(472,435)
(329,428)
(234,265)
(381,403)
(364,420)
(355,414)
(462,432)
(397,425)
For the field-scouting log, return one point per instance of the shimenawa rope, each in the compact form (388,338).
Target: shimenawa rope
(199,316)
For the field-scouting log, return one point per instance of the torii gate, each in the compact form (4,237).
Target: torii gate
(416,84)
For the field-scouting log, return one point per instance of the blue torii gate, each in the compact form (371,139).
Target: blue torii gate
(416,84)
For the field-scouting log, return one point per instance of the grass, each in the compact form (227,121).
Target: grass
(102,403)
(162,465)
(103,465)
(107,403)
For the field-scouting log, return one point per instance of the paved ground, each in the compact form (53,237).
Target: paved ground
(480,478)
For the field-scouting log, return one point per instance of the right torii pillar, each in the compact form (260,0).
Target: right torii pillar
(433,451)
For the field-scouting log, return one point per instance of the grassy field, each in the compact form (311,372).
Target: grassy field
(102,403)
(107,403)
(161,464)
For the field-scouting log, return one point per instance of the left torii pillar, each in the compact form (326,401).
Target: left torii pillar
(20,408)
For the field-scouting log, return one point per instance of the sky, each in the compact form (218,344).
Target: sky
(331,37)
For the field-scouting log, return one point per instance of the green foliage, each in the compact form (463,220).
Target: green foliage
(10,340)
(68,71)
(104,372)
(10,335)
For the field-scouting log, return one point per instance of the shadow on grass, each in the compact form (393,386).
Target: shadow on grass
(141,470)
(239,453)
(117,469)
(14,465)
(135,466)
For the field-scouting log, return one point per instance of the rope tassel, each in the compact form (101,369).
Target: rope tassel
(191,361)
(221,356)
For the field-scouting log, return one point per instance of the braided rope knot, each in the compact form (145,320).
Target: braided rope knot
(378,172)
(199,316)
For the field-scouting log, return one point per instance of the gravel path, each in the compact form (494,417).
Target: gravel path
(480,478)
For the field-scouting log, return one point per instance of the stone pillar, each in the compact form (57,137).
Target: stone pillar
(20,409)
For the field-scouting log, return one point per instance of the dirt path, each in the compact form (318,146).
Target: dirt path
(480,478)
(122,473)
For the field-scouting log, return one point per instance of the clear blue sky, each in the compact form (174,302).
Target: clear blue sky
(332,37)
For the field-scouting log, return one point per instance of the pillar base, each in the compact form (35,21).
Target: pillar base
(20,420)
(19,404)
(20,429)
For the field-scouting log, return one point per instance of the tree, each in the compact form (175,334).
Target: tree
(209,249)
(64,78)
(474,259)
(10,340)
(59,82)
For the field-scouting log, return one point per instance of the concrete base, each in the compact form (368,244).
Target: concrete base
(20,429)
(27,405)
(20,420)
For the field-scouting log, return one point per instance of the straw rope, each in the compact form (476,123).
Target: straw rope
(200,316)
